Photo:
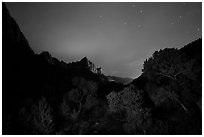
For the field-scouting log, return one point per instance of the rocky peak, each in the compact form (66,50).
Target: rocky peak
(84,59)
(47,56)
(14,42)
(84,63)
(91,66)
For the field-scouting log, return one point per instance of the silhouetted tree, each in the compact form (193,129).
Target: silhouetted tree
(113,101)
(169,63)
(42,117)
(171,66)
(165,94)
(88,87)
(130,100)
(65,109)
(90,102)
(83,96)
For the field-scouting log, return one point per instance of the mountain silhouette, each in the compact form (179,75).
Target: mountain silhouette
(29,77)
(192,50)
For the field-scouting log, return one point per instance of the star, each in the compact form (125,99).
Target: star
(100,16)
(180,17)
(141,11)
(125,23)
(133,6)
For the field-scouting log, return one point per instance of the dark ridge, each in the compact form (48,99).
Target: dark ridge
(28,76)
(193,50)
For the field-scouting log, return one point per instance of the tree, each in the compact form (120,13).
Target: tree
(83,96)
(171,66)
(73,96)
(88,87)
(169,63)
(65,109)
(42,117)
(167,94)
(130,100)
(113,101)
(90,102)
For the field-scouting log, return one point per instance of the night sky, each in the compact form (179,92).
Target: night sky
(115,36)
